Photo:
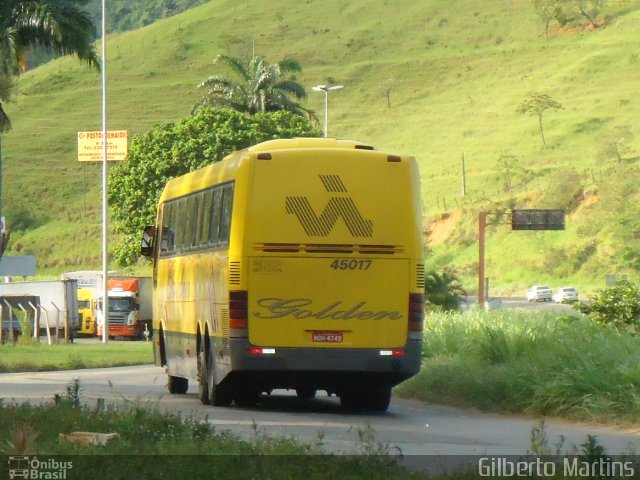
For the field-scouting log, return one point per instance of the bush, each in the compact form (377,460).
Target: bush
(444,291)
(618,306)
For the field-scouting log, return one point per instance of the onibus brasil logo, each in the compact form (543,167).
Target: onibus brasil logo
(38,469)
(320,225)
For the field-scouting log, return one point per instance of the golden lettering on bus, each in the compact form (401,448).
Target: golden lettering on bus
(301,308)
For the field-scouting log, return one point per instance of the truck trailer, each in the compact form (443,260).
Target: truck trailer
(57,307)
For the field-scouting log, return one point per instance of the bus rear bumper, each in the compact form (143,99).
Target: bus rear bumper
(324,367)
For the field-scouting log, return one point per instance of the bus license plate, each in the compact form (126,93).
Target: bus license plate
(327,337)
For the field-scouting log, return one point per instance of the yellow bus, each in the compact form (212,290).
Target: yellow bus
(293,264)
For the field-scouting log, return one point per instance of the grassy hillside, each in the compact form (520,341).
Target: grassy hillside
(439,80)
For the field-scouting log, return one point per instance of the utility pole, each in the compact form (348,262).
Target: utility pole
(464,178)
(482,223)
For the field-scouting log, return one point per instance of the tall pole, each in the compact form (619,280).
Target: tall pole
(326,89)
(326,112)
(482,223)
(0,172)
(464,177)
(105,211)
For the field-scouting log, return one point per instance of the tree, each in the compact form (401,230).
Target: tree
(546,10)
(507,164)
(617,142)
(60,26)
(536,104)
(590,9)
(618,306)
(444,290)
(6,86)
(256,86)
(174,149)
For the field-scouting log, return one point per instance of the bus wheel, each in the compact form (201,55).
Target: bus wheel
(377,399)
(205,375)
(221,396)
(306,393)
(177,385)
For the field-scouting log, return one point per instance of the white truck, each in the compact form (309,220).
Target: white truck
(130,312)
(54,303)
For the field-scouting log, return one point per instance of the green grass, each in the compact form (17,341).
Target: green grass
(151,444)
(41,357)
(538,364)
(457,73)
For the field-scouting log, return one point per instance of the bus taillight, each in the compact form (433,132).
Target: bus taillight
(416,312)
(262,351)
(238,309)
(393,353)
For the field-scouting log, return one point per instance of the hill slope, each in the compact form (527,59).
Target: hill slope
(441,81)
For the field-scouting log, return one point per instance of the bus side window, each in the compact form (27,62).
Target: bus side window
(205,227)
(189,222)
(181,224)
(215,216)
(167,239)
(196,219)
(225,217)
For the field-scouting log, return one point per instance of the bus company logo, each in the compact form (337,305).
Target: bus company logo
(338,207)
(36,469)
(301,308)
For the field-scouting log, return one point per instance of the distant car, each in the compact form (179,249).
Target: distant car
(539,293)
(565,295)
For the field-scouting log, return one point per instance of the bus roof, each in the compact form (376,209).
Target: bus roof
(225,169)
(307,142)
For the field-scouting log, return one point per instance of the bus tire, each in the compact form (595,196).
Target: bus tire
(205,375)
(221,396)
(177,385)
(378,399)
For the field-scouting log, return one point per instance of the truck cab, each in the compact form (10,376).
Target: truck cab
(86,312)
(129,307)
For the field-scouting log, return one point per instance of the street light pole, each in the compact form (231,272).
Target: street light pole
(105,170)
(326,89)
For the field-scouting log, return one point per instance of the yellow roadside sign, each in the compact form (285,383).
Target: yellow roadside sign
(90,147)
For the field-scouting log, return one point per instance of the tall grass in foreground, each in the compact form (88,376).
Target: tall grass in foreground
(536,363)
(151,444)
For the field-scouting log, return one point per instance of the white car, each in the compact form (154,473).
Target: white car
(565,295)
(539,293)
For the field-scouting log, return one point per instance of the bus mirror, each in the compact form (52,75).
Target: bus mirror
(146,246)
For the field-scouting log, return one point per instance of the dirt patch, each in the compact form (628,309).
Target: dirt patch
(439,229)
(586,199)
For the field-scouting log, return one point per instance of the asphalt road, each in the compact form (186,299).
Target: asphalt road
(412,427)
(520,303)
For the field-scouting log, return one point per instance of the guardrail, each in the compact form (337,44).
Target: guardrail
(11,334)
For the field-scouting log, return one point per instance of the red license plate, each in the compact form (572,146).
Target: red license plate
(327,337)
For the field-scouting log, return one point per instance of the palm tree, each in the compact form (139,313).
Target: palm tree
(6,85)
(62,27)
(444,290)
(260,86)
